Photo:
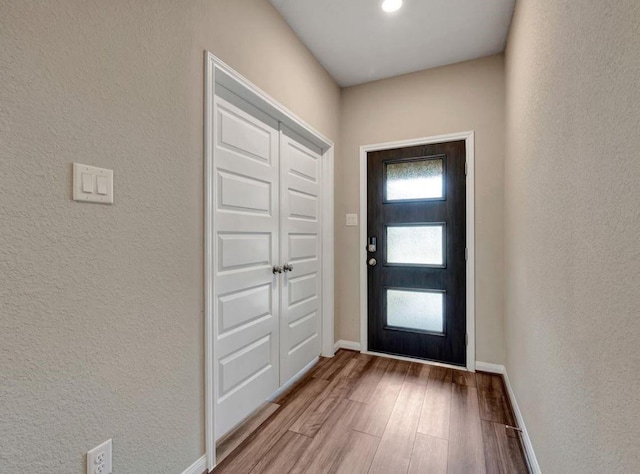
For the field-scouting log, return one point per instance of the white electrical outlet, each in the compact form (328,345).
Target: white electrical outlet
(99,459)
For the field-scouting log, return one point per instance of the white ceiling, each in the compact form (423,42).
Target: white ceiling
(357,42)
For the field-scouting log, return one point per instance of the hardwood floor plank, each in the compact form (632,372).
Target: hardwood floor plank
(374,417)
(284,455)
(503,453)
(466,451)
(358,454)
(292,392)
(322,364)
(395,448)
(312,419)
(511,450)
(369,380)
(491,450)
(365,357)
(334,366)
(244,458)
(463,377)
(484,380)
(434,418)
(233,439)
(418,373)
(330,441)
(493,399)
(429,455)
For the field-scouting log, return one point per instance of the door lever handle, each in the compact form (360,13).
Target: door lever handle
(287,267)
(277,269)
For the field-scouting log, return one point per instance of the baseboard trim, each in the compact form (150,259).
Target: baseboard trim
(491,368)
(197,467)
(528,447)
(342,344)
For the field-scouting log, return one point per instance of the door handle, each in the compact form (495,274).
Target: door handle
(277,269)
(287,267)
(372,262)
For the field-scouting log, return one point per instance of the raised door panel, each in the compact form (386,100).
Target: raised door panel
(241,193)
(302,205)
(302,246)
(242,307)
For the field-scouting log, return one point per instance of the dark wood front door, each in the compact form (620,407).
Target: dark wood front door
(416,252)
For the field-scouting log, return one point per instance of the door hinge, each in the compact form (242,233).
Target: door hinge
(466,253)
(466,339)
(465,168)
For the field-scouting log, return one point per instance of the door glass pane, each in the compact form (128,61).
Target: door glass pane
(421,179)
(421,310)
(418,245)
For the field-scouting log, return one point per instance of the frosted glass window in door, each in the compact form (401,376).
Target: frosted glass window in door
(418,310)
(420,179)
(415,245)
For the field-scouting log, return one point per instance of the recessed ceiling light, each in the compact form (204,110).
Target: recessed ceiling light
(391,5)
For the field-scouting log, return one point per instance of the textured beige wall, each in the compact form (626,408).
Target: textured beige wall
(101,307)
(465,96)
(572,227)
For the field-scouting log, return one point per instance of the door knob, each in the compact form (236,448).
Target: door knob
(277,269)
(372,262)
(287,267)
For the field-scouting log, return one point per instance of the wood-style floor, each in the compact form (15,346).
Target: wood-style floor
(356,413)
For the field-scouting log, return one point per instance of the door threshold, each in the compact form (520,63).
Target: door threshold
(419,361)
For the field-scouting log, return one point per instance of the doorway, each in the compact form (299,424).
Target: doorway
(417,291)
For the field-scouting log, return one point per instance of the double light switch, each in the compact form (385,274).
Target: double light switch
(91,184)
(352,220)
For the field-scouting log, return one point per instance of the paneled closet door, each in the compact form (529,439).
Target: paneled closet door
(300,244)
(246,225)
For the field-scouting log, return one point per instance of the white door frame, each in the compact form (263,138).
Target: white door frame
(468,137)
(217,72)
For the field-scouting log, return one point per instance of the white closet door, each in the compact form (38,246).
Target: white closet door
(300,311)
(246,221)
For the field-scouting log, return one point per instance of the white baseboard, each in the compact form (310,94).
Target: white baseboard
(197,467)
(528,447)
(491,368)
(341,344)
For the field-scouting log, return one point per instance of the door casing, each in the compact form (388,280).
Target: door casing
(217,72)
(468,137)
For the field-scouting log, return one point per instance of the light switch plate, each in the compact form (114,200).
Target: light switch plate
(352,220)
(91,184)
